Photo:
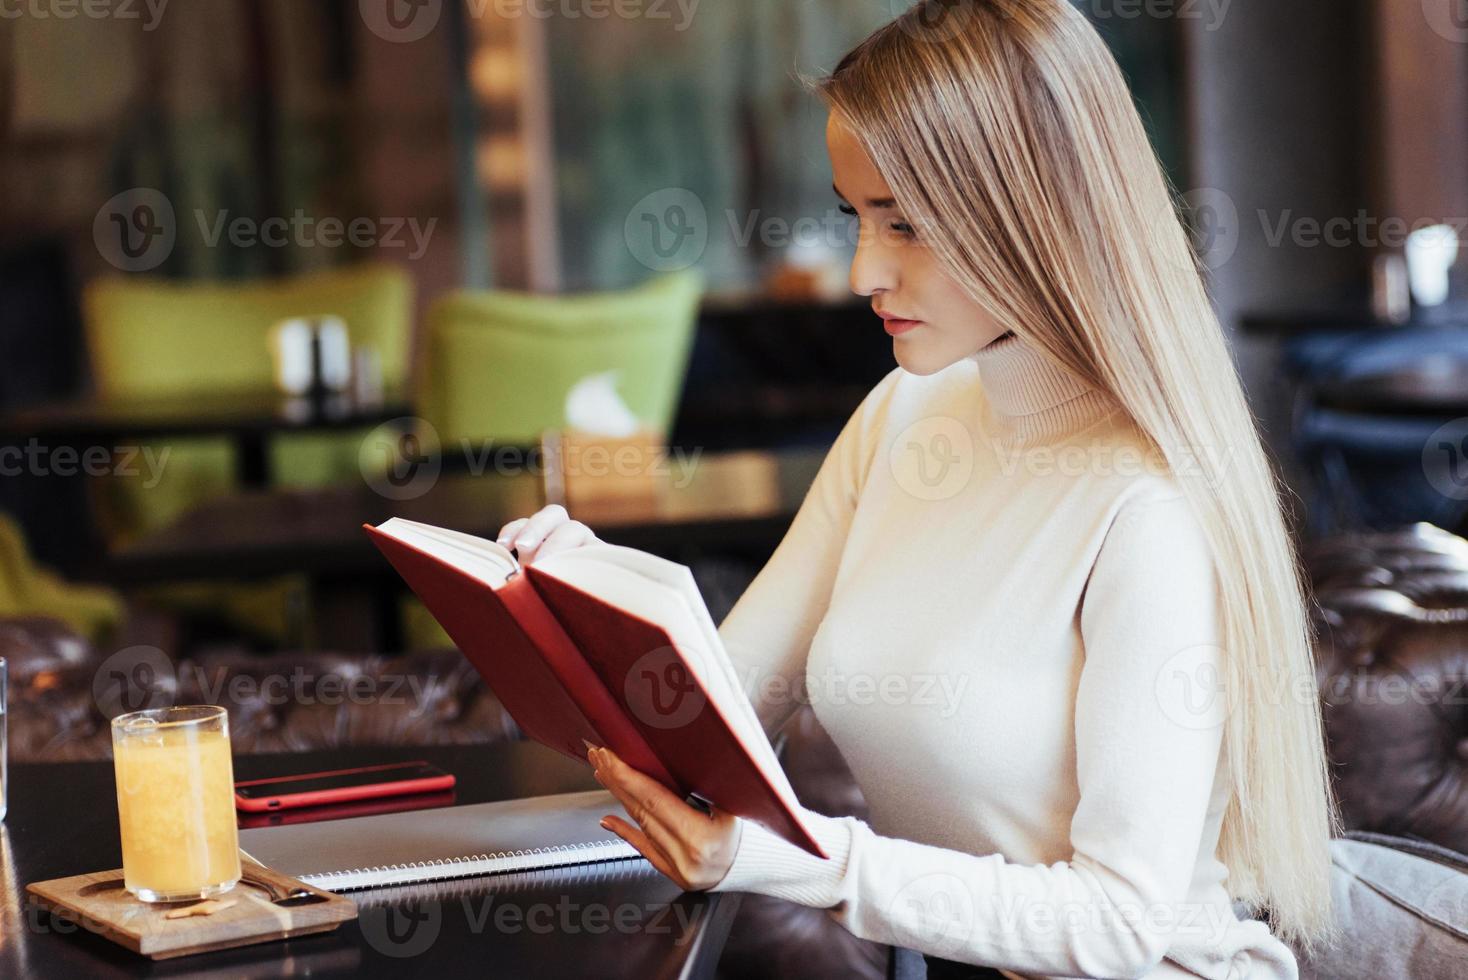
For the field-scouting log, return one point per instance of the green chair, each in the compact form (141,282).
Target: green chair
(160,338)
(26,589)
(499,366)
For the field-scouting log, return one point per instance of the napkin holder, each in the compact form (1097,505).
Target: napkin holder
(587,469)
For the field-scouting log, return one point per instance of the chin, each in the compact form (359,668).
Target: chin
(914,359)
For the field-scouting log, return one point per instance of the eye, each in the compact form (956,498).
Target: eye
(902,228)
(845,208)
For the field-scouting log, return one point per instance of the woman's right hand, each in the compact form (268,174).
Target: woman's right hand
(545,532)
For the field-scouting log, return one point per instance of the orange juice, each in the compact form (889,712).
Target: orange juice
(175,805)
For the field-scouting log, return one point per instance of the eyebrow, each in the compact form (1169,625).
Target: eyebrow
(872,202)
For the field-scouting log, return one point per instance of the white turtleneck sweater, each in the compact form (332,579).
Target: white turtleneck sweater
(1005,614)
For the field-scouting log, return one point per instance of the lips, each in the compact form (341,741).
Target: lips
(897,325)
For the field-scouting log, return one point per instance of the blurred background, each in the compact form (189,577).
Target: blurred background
(272,269)
(258,257)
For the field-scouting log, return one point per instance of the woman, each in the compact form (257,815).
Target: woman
(1056,511)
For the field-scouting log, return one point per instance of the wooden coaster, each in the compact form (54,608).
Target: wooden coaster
(99,903)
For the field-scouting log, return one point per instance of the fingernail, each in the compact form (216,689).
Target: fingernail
(524,542)
(605,823)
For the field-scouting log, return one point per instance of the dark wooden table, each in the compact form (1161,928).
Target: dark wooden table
(738,503)
(249,418)
(63,821)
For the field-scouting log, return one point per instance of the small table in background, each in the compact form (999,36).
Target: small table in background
(248,418)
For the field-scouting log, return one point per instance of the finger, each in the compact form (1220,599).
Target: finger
(666,818)
(541,523)
(646,847)
(642,804)
(507,533)
(572,534)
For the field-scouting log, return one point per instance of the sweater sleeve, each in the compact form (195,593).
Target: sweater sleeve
(769,630)
(1148,731)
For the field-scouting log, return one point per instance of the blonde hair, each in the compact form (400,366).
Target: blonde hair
(1008,136)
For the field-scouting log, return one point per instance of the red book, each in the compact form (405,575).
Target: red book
(607,645)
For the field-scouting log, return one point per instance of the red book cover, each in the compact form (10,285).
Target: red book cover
(569,665)
(642,666)
(525,657)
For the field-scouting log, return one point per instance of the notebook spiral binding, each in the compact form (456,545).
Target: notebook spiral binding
(536,879)
(473,864)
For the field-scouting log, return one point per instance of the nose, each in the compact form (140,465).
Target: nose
(872,268)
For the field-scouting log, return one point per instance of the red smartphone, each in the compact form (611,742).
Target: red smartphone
(339,786)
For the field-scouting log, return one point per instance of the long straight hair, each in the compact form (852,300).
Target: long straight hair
(1008,136)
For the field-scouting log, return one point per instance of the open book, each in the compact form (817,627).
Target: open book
(606,645)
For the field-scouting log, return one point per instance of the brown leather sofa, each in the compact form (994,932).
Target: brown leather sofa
(1392,619)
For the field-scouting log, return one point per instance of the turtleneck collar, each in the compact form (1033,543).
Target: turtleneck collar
(1032,399)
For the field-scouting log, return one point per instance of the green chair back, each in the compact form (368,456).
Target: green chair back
(160,337)
(499,364)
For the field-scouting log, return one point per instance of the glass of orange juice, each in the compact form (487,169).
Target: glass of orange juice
(175,803)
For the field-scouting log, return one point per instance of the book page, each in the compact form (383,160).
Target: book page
(485,560)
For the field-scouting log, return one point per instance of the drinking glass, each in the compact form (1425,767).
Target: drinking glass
(175,803)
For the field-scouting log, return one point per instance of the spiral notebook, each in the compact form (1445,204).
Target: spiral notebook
(449,842)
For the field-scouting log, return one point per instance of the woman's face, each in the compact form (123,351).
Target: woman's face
(934,323)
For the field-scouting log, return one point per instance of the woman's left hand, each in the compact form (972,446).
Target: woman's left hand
(693,848)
